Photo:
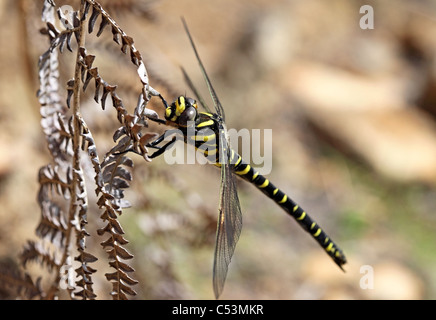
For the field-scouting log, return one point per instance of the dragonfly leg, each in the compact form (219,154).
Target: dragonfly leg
(163,101)
(162,149)
(160,121)
(154,144)
(166,146)
(155,93)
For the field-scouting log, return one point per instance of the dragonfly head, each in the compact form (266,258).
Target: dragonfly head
(181,111)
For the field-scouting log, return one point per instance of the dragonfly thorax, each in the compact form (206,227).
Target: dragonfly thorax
(181,111)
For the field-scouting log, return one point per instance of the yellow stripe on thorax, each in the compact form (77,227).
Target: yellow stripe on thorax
(203,138)
(210,115)
(209,152)
(206,123)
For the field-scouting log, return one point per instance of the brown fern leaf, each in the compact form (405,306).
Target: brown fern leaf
(54,179)
(84,272)
(133,124)
(121,38)
(58,39)
(111,177)
(140,8)
(36,252)
(55,127)
(62,195)
(115,178)
(14,283)
(120,280)
(53,221)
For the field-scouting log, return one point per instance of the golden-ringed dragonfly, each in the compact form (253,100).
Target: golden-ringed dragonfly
(207,132)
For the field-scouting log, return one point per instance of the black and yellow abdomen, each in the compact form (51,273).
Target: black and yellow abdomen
(246,171)
(204,138)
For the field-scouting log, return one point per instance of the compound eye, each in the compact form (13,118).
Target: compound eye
(189,114)
(191,102)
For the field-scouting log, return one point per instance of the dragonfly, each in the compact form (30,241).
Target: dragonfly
(207,132)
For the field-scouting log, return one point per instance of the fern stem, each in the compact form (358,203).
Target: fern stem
(77,75)
(76,149)
(77,117)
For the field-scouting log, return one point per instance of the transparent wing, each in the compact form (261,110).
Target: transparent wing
(195,91)
(229,220)
(229,224)
(218,107)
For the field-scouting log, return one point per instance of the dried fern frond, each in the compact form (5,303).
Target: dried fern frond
(63,197)
(141,8)
(53,221)
(111,177)
(56,187)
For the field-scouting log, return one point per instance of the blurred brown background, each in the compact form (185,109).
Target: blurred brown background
(354,143)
